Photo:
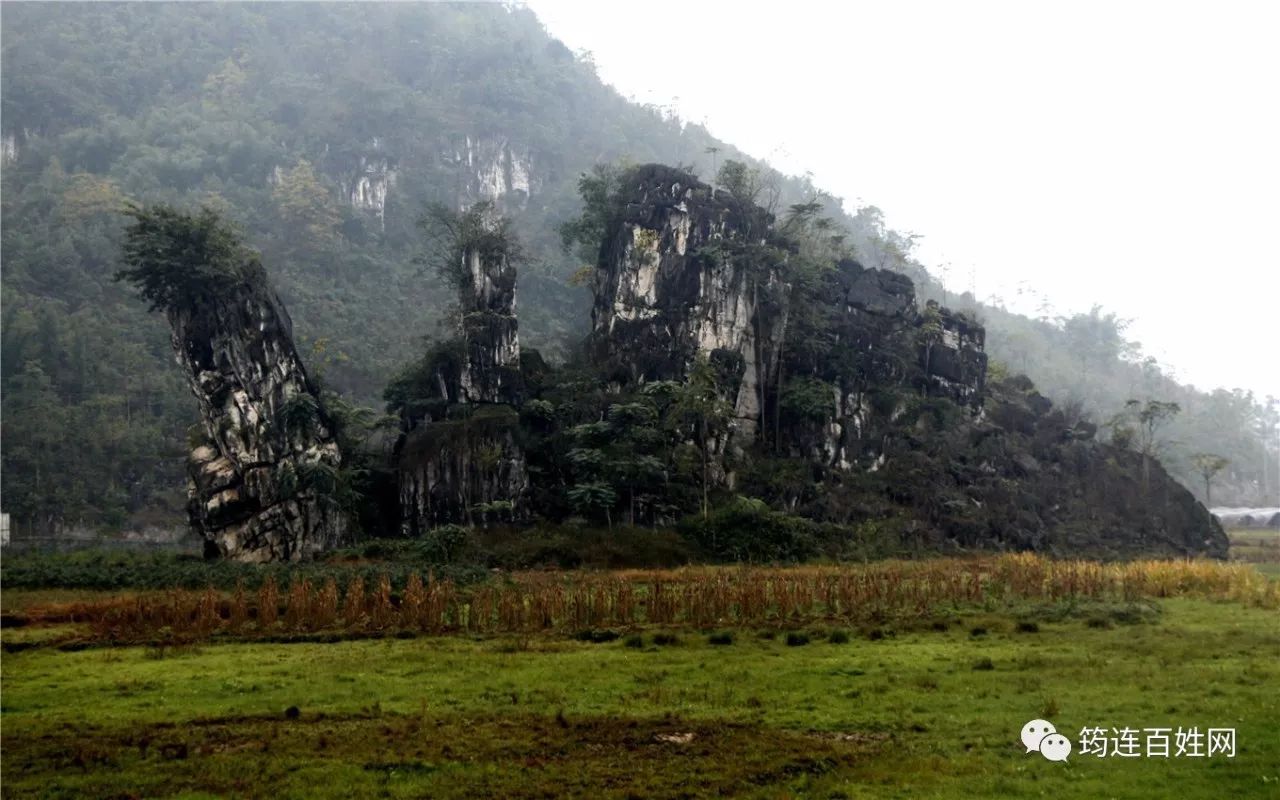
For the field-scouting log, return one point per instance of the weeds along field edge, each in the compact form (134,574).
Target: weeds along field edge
(571,601)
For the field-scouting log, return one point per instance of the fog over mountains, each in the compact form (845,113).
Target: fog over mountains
(325,131)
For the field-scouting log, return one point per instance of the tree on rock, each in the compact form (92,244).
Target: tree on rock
(266,482)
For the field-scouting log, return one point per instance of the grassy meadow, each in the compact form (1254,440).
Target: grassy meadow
(1257,546)
(921,693)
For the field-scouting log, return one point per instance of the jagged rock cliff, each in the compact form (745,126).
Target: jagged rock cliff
(665,292)
(908,422)
(687,270)
(493,168)
(265,478)
(458,458)
(490,330)
(833,396)
(257,485)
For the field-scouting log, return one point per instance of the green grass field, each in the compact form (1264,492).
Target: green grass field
(930,711)
(1257,546)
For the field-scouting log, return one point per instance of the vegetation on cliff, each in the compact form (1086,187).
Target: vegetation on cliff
(324,132)
(752,383)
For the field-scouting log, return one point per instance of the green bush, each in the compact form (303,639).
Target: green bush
(597,636)
(748,530)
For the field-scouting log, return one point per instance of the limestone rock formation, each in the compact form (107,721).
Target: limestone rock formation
(837,399)
(687,270)
(258,486)
(368,185)
(463,470)
(493,168)
(266,477)
(490,330)
(667,291)
(458,459)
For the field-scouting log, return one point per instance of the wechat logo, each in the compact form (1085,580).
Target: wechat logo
(1040,735)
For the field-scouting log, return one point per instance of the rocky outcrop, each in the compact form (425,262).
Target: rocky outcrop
(675,280)
(493,168)
(954,360)
(686,270)
(459,460)
(490,329)
(841,400)
(876,387)
(366,188)
(464,470)
(262,483)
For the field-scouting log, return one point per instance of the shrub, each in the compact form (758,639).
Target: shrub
(720,638)
(635,641)
(797,639)
(983,664)
(445,542)
(596,637)
(838,637)
(178,261)
(748,530)
(665,639)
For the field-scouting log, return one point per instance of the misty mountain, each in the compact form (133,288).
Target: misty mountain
(325,131)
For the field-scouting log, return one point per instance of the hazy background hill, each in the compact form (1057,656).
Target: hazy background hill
(324,131)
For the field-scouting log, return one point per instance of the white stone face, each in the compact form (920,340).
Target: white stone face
(644,259)
(9,149)
(368,190)
(500,169)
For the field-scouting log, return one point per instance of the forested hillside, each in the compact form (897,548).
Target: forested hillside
(325,131)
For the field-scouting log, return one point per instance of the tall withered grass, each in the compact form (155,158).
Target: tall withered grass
(695,596)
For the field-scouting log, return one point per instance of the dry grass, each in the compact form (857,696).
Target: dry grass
(697,596)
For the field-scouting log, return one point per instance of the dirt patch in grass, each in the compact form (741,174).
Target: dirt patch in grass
(513,755)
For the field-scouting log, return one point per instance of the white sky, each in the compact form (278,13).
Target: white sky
(1119,153)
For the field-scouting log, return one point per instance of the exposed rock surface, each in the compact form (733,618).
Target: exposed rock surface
(490,330)
(666,291)
(845,402)
(368,185)
(677,279)
(462,470)
(459,460)
(258,484)
(907,388)
(493,168)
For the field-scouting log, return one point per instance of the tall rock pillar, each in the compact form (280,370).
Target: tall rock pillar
(263,479)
